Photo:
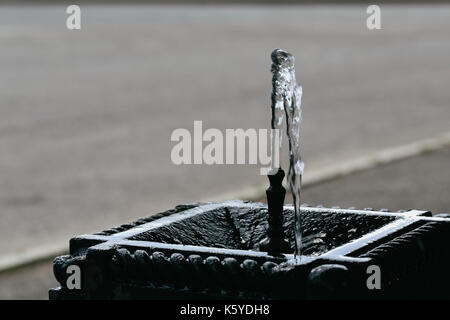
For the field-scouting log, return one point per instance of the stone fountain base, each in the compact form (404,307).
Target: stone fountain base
(208,251)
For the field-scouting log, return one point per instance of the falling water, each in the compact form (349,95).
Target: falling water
(286,103)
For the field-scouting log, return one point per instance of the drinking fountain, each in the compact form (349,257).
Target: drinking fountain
(248,250)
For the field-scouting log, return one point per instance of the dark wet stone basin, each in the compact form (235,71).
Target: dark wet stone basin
(243,228)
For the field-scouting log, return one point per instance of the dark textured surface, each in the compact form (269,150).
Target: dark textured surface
(321,231)
(244,228)
(156,216)
(212,229)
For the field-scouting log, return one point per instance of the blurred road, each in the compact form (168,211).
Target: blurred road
(86,116)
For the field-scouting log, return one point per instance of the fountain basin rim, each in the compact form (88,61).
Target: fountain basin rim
(122,239)
(239,203)
(150,266)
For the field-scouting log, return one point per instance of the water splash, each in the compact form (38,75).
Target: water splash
(286,103)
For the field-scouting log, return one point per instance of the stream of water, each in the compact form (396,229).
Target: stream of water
(286,104)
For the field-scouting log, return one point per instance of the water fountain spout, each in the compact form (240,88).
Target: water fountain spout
(275,242)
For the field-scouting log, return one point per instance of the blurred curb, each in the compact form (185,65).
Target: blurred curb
(373,160)
(34,255)
(255,193)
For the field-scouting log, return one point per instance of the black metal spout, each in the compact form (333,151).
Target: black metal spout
(275,243)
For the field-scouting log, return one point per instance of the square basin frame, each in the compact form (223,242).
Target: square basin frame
(114,266)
